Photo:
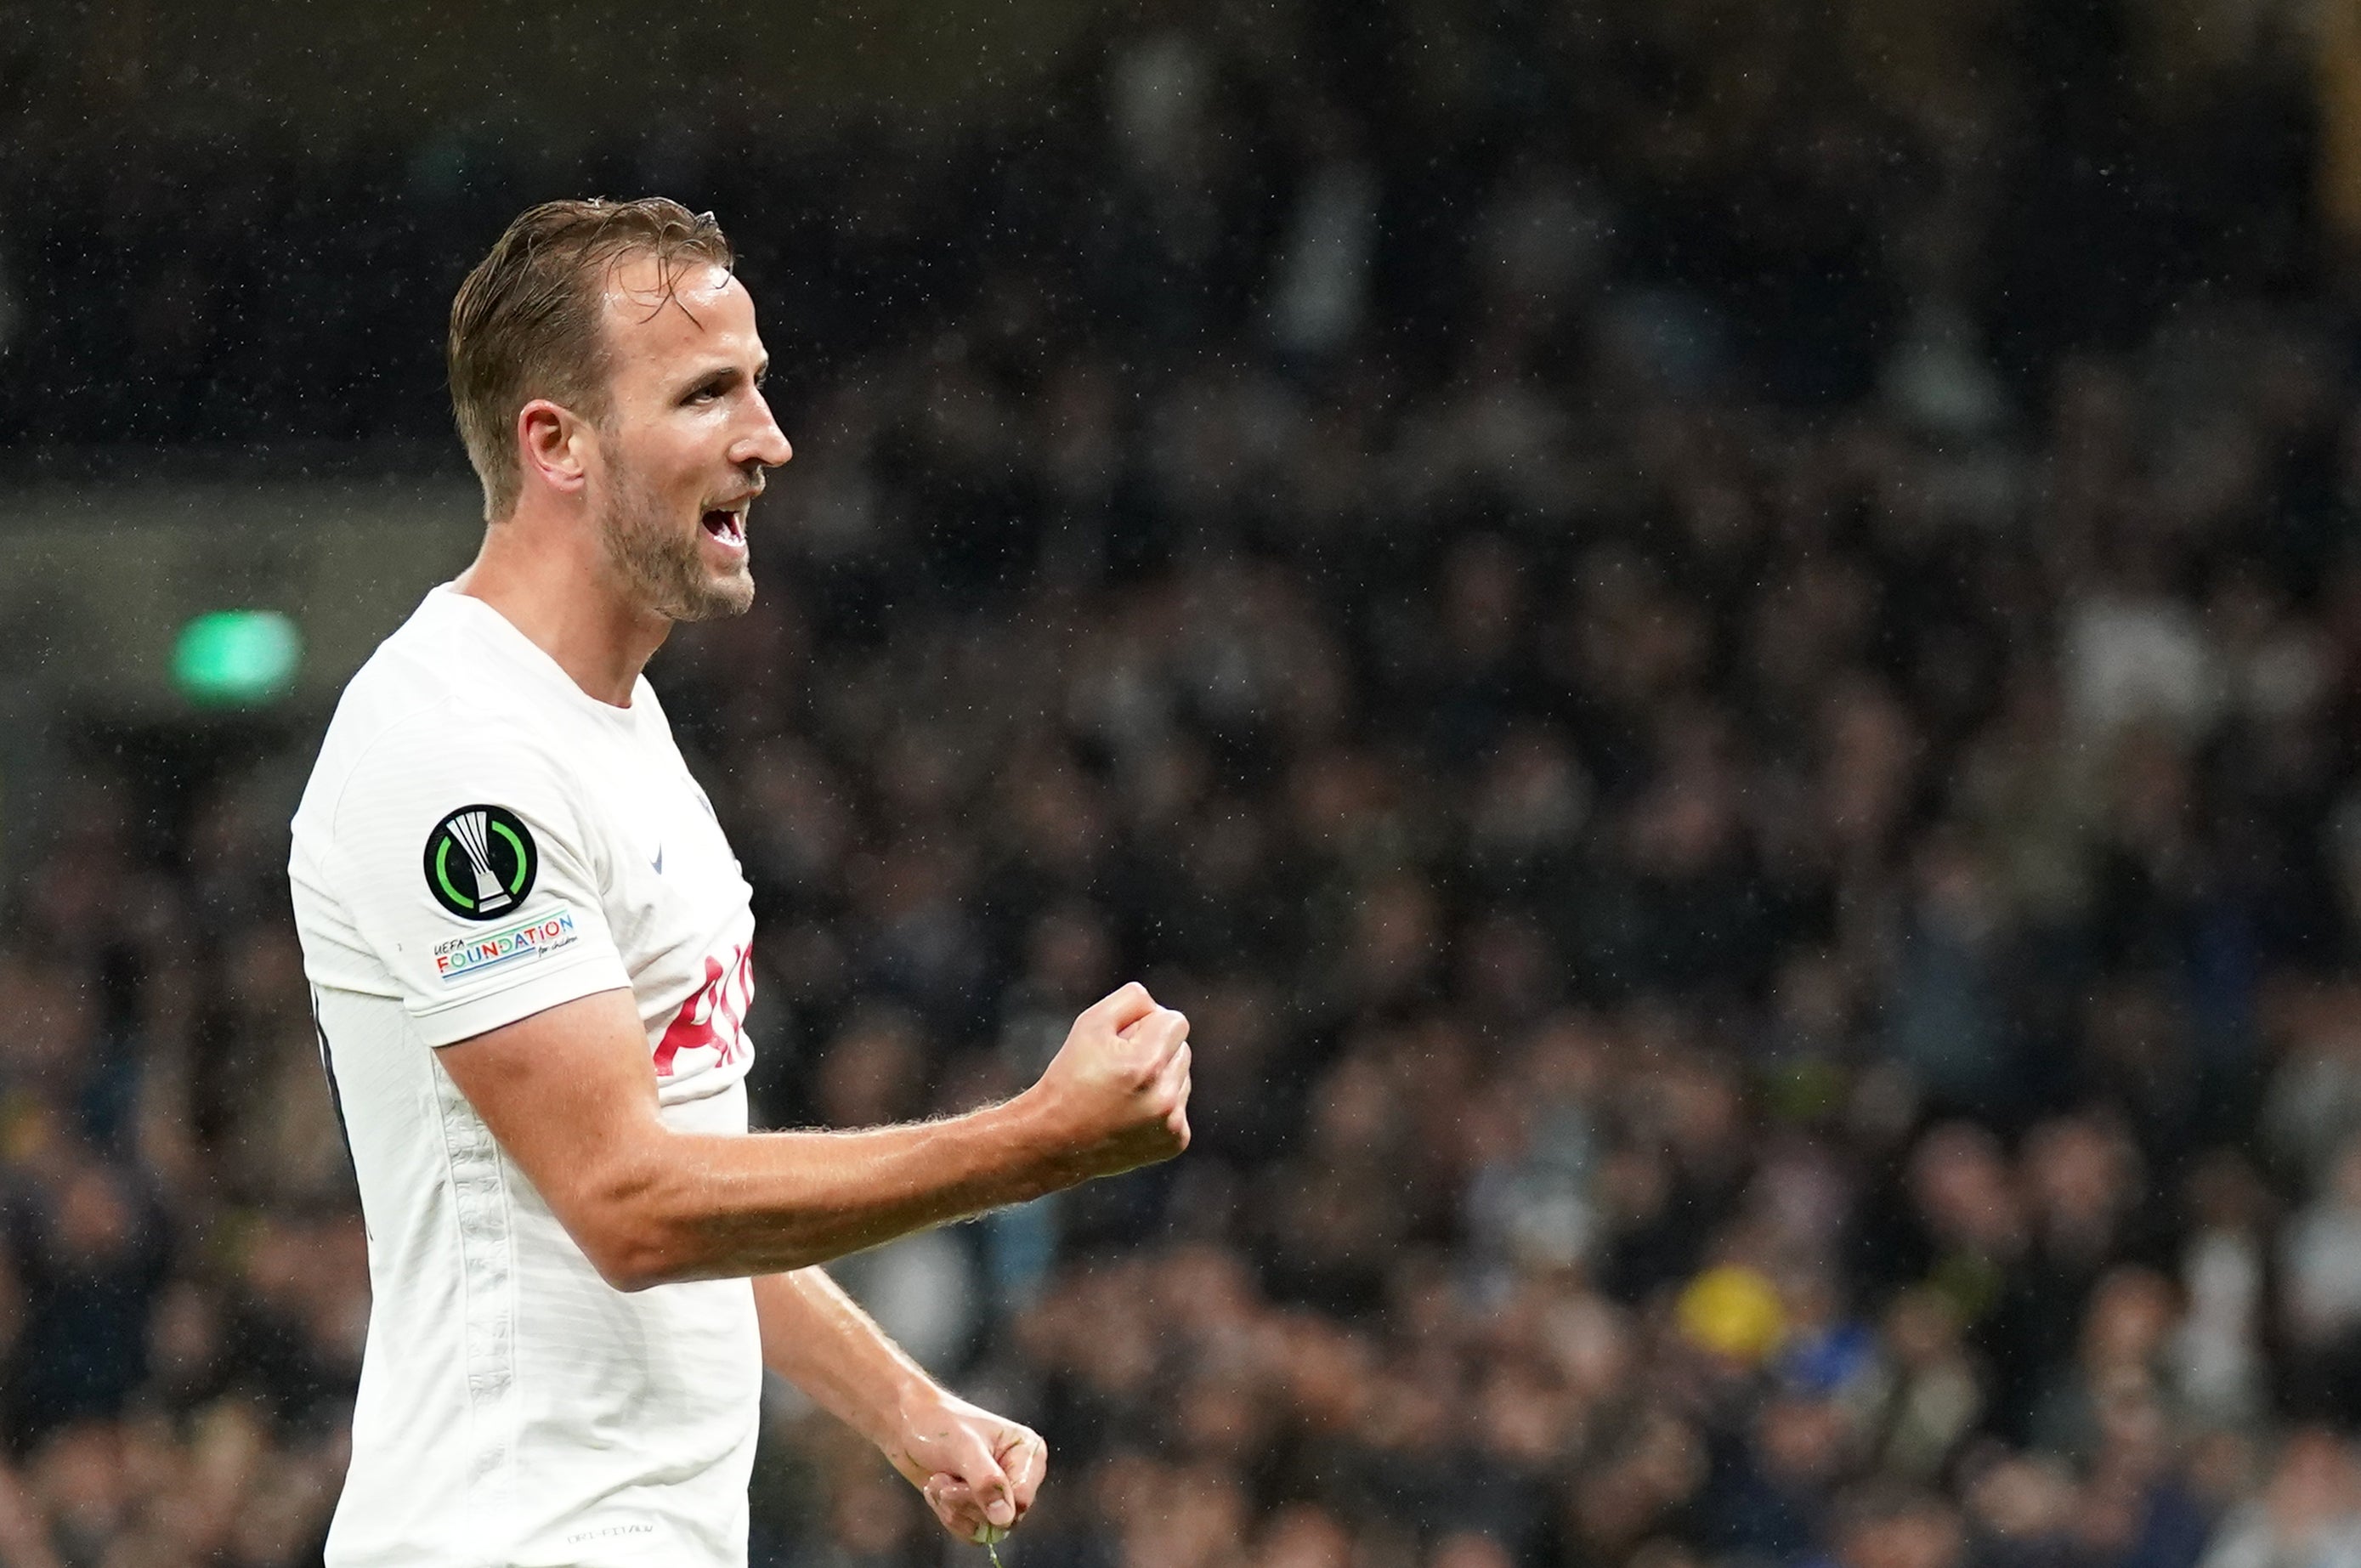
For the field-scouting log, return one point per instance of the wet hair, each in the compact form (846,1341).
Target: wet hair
(527,322)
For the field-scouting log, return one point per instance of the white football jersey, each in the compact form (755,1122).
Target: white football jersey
(480,840)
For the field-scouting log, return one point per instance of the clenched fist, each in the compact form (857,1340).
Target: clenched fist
(1117,1095)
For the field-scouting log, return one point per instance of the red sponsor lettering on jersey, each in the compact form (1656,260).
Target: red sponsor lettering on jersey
(714,1016)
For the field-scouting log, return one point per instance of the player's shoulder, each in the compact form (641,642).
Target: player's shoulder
(438,674)
(437,705)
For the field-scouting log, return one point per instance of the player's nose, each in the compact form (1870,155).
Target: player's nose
(764,443)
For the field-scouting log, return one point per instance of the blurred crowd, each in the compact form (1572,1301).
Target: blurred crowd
(1725,678)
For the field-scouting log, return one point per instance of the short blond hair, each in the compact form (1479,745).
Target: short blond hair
(526,323)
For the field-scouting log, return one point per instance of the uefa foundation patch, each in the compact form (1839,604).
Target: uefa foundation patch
(481,863)
(465,957)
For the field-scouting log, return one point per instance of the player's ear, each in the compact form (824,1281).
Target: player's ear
(550,441)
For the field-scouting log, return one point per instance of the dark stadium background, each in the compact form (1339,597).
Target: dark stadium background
(1717,643)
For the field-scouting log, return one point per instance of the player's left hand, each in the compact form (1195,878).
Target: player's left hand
(974,1468)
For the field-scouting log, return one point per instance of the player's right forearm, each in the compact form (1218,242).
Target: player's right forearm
(650,1206)
(705,1207)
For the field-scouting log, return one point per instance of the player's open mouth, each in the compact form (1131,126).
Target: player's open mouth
(727,524)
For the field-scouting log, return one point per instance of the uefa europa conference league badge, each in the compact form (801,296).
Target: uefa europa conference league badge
(481,863)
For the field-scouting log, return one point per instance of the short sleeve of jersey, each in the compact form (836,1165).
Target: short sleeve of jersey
(468,867)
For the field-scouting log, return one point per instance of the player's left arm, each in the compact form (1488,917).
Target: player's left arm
(974,1468)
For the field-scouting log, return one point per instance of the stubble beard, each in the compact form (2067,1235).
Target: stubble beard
(663,567)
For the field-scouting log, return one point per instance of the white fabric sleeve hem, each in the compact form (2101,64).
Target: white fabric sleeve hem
(464,1017)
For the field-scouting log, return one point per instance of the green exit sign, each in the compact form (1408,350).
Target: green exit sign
(231,658)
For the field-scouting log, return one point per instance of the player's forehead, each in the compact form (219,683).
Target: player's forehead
(653,321)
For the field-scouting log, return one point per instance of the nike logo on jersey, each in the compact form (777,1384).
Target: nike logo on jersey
(658,862)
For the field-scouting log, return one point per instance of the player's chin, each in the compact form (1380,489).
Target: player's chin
(734,595)
(717,597)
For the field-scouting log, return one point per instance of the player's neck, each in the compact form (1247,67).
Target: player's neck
(553,585)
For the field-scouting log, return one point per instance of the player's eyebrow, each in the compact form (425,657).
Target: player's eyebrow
(721,378)
(713,379)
